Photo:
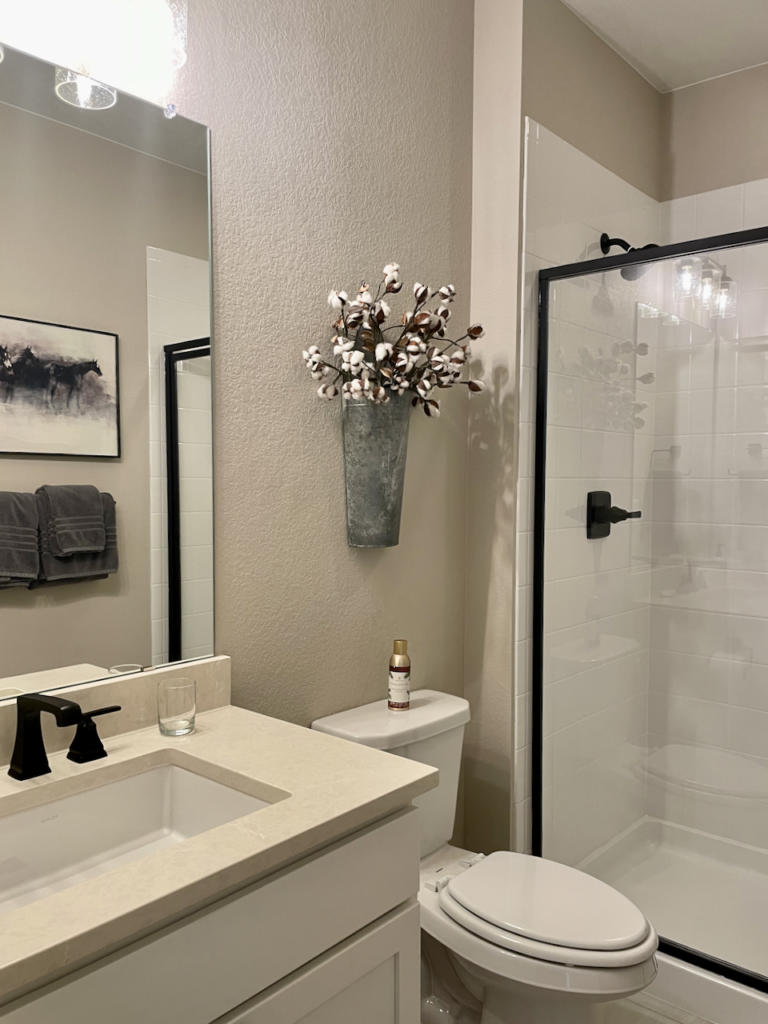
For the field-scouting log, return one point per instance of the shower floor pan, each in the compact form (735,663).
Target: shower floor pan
(698,889)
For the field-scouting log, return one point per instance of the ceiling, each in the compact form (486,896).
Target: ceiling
(674,43)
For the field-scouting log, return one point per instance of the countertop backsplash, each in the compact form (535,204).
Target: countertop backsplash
(135,693)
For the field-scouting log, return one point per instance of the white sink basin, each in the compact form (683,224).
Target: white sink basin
(57,845)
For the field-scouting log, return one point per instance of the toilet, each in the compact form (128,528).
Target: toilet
(508,938)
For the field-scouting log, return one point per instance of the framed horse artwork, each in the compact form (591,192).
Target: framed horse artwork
(59,390)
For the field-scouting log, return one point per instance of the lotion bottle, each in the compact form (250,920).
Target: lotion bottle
(399,678)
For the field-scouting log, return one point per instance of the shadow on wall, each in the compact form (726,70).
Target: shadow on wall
(493,456)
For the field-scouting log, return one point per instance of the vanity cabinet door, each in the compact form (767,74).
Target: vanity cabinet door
(373,978)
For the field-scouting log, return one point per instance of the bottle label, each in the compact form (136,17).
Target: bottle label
(399,689)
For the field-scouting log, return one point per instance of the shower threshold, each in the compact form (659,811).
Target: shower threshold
(699,890)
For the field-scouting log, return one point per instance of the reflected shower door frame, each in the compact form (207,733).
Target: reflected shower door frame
(174,354)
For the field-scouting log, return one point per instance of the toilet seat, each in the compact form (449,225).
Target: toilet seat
(614,983)
(525,946)
(547,910)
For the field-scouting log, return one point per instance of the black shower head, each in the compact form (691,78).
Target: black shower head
(628,273)
(633,273)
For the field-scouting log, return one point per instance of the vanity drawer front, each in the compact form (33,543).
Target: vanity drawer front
(373,977)
(201,968)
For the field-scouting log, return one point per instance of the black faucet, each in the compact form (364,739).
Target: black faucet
(29,758)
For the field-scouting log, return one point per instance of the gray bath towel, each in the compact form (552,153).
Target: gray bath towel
(19,558)
(74,518)
(83,566)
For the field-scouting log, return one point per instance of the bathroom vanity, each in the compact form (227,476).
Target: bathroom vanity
(252,872)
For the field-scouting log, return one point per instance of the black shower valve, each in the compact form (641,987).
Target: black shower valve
(601,515)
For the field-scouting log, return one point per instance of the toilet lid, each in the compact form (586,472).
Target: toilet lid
(549,903)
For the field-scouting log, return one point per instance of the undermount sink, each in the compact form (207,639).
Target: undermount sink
(57,845)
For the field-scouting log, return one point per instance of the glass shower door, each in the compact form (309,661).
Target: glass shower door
(651,639)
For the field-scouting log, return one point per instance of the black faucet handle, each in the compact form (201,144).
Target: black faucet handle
(87,745)
(102,711)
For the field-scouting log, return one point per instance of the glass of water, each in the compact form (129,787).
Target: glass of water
(176,706)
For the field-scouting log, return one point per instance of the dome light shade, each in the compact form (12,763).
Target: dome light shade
(724,302)
(84,92)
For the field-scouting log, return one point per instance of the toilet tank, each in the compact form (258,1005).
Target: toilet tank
(432,732)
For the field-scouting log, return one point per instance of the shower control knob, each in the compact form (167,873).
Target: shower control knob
(601,515)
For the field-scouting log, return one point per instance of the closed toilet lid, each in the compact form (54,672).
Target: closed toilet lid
(549,903)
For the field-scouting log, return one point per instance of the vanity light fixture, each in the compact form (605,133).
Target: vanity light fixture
(2,54)
(136,45)
(82,91)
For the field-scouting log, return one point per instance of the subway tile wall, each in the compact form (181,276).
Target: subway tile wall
(708,701)
(178,310)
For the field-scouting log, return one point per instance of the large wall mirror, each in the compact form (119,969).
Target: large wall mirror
(106,533)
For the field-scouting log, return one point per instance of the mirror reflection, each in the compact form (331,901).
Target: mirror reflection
(106,546)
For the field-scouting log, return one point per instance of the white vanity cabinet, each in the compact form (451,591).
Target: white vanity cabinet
(333,937)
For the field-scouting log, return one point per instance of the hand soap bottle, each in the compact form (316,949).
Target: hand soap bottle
(399,678)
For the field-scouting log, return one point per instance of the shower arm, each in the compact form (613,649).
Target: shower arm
(607,243)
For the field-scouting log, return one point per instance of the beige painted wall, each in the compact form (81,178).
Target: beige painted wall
(582,90)
(715,134)
(77,213)
(342,136)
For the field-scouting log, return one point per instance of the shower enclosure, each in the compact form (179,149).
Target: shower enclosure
(650,652)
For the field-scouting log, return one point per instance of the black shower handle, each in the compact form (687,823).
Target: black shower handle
(615,515)
(601,514)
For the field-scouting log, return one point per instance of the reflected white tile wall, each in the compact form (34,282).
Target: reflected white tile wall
(178,310)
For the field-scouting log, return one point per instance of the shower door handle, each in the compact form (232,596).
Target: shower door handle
(601,515)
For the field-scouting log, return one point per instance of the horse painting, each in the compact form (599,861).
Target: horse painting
(58,390)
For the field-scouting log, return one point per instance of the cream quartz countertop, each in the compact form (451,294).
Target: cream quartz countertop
(324,788)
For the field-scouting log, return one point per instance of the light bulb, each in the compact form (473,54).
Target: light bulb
(723,305)
(687,278)
(710,284)
(83,91)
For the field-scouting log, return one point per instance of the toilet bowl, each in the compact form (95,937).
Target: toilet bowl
(515,977)
(508,938)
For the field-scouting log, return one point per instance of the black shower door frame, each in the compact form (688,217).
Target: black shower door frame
(547,277)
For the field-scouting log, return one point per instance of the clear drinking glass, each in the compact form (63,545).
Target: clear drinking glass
(176,706)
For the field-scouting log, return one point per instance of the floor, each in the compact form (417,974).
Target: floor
(699,890)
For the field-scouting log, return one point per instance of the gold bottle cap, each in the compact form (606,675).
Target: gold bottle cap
(401,647)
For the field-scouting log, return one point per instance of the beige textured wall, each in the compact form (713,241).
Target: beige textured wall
(715,134)
(493,426)
(77,213)
(582,90)
(341,140)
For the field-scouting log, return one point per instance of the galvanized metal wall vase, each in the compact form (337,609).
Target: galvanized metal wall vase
(384,371)
(375,450)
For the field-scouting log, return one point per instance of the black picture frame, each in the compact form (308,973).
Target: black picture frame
(547,276)
(42,337)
